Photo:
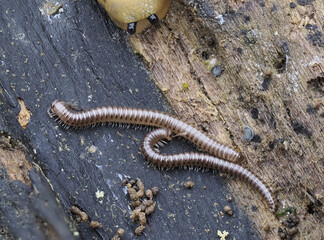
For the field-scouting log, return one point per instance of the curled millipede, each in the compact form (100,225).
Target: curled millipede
(167,125)
(69,117)
(193,159)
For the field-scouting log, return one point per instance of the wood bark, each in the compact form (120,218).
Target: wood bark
(222,65)
(72,51)
(270,55)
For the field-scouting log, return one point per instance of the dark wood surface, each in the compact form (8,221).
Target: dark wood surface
(79,56)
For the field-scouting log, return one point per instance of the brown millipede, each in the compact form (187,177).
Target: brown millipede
(158,119)
(193,159)
(167,125)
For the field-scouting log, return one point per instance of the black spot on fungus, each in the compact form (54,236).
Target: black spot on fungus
(304,2)
(300,129)
(292,5)
(255,113)
(322,115)
(154,19)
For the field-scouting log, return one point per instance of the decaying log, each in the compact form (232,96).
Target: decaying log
(64,183)
(225,65)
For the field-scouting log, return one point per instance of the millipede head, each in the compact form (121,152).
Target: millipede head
(51,110)
(50,113)
(55,106)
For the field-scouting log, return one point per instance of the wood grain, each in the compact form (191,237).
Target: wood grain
(272,80)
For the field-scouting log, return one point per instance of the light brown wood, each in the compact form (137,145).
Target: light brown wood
(272,57)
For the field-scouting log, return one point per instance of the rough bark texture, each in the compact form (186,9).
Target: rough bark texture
(72,51)
(267,60)
(271,57)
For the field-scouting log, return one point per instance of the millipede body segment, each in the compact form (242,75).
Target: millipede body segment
(166,125)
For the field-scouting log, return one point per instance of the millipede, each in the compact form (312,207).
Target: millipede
(70,117)
(166,125)
(193,159)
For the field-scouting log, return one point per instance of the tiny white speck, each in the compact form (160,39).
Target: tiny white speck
(99,166)
(125,190)
(92,149)
(108,181)
(222,235)
(120,176)
(100,194)
(220,18)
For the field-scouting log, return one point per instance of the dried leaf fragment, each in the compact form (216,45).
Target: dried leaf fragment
(24,114)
